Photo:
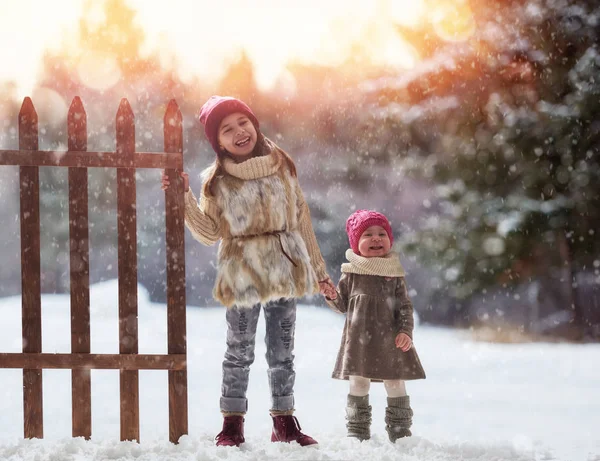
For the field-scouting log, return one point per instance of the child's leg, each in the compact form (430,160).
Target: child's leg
(358,410)
(359,386)
(280,318)
(395,387)
(241,334)
(398,414)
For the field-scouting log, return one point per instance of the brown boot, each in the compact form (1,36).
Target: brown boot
(286,428)
(232,434)
(398,417)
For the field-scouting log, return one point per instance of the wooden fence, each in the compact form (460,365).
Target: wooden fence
(32,360)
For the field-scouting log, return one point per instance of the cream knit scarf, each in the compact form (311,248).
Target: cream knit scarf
(388,266)
(255,167)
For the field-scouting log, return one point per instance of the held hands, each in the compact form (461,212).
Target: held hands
(403,342)
(165,183)
(327,288)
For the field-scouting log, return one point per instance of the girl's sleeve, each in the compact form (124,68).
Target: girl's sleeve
(406,319)
(202,218)
(308,235)
(340,304)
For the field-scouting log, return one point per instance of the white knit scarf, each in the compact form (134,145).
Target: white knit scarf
(388,266)
(255,167)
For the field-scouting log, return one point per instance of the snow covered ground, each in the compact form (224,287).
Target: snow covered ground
(480,401)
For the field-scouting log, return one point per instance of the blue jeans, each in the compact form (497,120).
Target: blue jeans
(280,318)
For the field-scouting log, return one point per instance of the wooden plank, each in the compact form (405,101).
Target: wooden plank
(90,159)
(175,246)
(75,361)
(127,272)
(30,273)
(81,386)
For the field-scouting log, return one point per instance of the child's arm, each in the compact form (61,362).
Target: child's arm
(406,320)
(202,219)
(340,304)
(308,235)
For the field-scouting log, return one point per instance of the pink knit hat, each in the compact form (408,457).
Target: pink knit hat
(361,220)
(216,109)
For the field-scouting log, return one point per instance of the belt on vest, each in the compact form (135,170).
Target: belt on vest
(275,233)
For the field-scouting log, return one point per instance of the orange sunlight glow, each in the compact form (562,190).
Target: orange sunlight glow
(200,38)
(273,33)
(453,20)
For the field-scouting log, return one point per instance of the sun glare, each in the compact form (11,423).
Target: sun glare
(407,13)
(27,29)
(453,21)
(202,37)
(98,71)
(273,33)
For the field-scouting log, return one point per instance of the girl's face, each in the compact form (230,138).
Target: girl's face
(237,135)
(374,242)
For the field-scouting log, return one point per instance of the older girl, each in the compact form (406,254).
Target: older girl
(268,257)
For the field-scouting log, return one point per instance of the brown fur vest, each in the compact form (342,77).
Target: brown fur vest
(262,254)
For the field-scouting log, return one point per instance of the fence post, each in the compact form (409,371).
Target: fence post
(127,272)
(81,387)
(175,245)
(30,272)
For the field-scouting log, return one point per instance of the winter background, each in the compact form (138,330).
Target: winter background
(474,125)
(480,401)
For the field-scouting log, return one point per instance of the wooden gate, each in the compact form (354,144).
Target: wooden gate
(32,360)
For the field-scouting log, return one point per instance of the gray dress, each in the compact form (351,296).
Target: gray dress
(377,308)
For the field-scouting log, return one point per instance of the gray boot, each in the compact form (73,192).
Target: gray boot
(398,417)
(358,417)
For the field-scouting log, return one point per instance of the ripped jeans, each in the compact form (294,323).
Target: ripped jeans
(280,318)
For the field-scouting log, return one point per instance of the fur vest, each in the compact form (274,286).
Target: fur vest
(268,249)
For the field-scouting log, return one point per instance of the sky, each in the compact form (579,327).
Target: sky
(202,36)
(480,401)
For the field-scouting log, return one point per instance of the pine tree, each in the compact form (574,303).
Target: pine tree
(511,142)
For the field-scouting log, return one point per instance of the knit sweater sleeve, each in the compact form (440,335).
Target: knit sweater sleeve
(406,318)
(308,235)
(202,218)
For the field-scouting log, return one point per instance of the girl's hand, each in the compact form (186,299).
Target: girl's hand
(165,183)
(403,342)
(327,288)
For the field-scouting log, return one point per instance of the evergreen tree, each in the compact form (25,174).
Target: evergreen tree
(512,145)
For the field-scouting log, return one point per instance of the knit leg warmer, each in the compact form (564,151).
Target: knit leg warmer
(358,417)
(398,417)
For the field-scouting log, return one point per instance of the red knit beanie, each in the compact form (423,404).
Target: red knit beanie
(361,220)
(216,109)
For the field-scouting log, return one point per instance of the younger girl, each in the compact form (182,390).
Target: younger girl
(268,256)
(377,339)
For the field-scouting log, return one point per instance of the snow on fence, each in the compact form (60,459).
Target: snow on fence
(32,360)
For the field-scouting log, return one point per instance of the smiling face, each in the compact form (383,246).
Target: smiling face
(374,242)
(237,135)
